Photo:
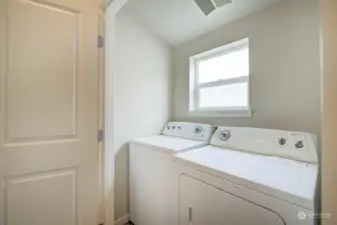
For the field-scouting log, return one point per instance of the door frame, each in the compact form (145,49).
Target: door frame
(328,19)
(110,8)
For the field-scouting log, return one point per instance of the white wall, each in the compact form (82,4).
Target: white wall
(329,114)
(142,95)
(285,69)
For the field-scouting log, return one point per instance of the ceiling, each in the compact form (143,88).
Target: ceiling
(177,21)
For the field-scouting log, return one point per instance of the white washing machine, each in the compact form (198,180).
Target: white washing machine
(152,198)
(249,176)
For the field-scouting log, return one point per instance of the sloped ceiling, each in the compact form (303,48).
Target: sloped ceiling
(177,21)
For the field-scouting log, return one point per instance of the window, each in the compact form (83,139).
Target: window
(219,81)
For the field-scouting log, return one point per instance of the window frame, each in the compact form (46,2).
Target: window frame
(195,86)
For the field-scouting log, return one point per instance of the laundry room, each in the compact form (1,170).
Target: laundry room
(168,112)
(171,64)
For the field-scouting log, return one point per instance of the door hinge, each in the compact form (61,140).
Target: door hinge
(100,41)
(100,135)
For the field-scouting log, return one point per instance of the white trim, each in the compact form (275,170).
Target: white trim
(192,84)
(223,109)
(195,86)
(122,220)
(110,11)
(222,50)
(114,6)
(231,113)
(235,80)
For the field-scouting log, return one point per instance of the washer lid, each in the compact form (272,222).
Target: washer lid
(169,144)
(286,179)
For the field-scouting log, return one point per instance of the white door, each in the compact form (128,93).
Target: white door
(48,112)
(202,204)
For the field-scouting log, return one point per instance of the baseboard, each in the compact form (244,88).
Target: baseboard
(122,220)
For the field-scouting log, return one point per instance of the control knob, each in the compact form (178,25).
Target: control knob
(282,141)
(299,144)
(224,135)
(198,130)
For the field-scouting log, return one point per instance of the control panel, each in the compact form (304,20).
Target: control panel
(287,144)
(195,131)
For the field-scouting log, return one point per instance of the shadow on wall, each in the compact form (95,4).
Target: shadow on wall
(121,175)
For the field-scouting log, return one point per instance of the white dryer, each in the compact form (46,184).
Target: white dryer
(152,199)
(249,176)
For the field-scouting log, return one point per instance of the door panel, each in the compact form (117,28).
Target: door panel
(42,72)
(202,204)
(48,112)
(26,191)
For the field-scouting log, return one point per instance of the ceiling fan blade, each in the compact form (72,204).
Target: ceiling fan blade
(219,3)
(208,6)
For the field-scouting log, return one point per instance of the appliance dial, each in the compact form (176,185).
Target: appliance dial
(299,144)
(282,141)
(198,130)
(224,135)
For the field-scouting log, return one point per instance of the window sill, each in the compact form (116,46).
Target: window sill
(242,113)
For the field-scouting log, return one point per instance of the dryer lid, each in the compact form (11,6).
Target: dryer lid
(169,144)
(285,179)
